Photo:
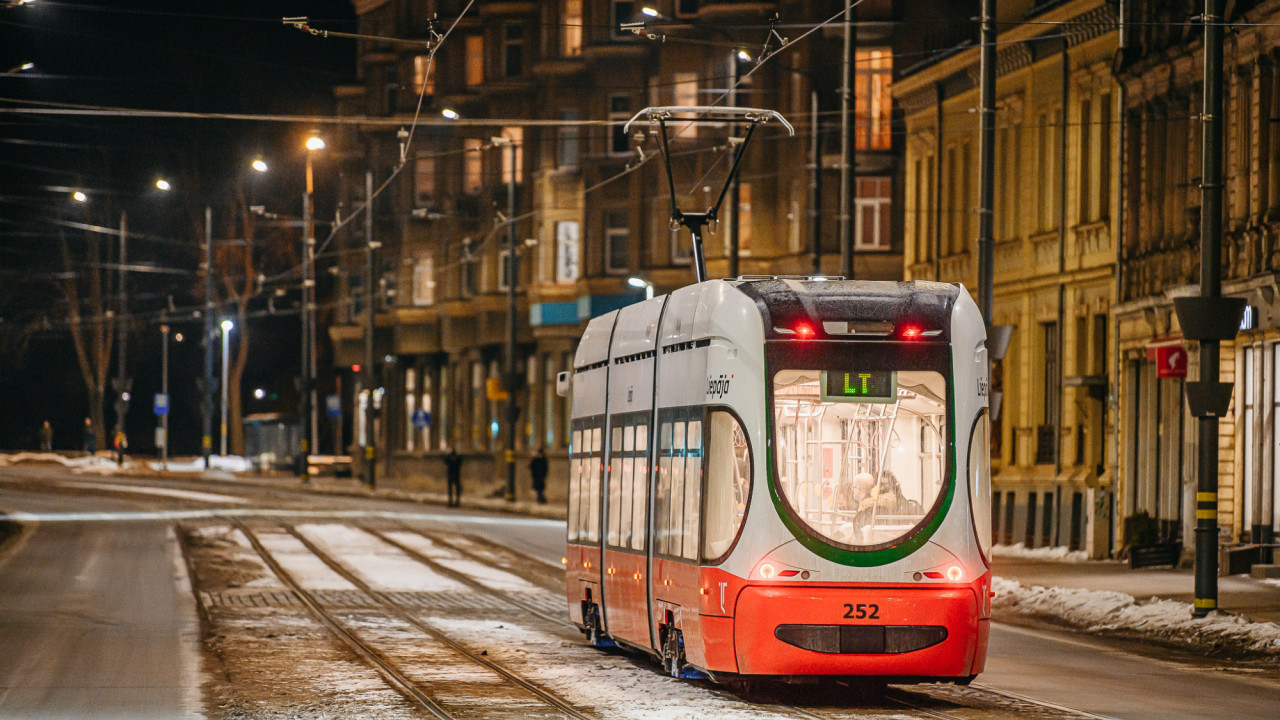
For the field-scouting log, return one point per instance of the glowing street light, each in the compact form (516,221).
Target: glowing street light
(315,142)
(163,185)
(744,56)
(449,114)
(259,393)
(650,12)
(227,325)
(79,196)
(261,165)
(639,282)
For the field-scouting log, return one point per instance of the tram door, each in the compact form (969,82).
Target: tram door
(626,492)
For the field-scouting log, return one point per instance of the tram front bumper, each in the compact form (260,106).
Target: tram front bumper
(889,631)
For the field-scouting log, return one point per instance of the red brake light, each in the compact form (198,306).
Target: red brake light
(911,332)
(804,330)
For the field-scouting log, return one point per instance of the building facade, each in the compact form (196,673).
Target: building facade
(1054,450)
(555,81)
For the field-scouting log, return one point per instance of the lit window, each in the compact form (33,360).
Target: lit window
(424,179)
(512,154)
(744,218)
(571,29)
(872,229)
(475,59)
(873,105)
(421,76)
(568,150)
(686,94)
(473,176)
(424,281)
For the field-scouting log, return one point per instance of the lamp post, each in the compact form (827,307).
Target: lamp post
(639,282)
(307,416)
(164,390)
(227,325)
(19,69)
(513,278)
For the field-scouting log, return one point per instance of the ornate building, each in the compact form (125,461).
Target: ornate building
(555,81)
(1055,227)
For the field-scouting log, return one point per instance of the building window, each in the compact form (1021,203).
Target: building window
(685,93)
(1086,203)
(410,406)
(873,105)
(686,7)
(1104,156)
(467,269)
(872,229)
(1047,438)
(571,28)
(549,400)
(567,251)
(681,246)
(387,282)
(567,149)
(1046,170)
(619,113)
(504,270)
(424,179)
(617,245)
(424,281)
(512,154)
(473,173)
(475,59)
(424,82)
(512,50)
(621,12)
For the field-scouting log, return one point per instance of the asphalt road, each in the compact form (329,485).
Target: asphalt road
(96,620)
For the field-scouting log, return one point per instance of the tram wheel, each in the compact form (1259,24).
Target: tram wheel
(591,617)
(673,653)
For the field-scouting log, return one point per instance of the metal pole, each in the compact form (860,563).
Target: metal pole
(513,278)
(845,234)
(815,185)
(304,391)
(370,454)
(122,327)
(226,335)
(735,195)
(164,390)
(206,440)
(1206,583)
(310,291)
(986,162)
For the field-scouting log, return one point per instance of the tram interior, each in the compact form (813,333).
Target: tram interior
(860,471)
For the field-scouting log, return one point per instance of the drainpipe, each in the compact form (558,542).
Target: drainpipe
(1062,267)
(1114,403)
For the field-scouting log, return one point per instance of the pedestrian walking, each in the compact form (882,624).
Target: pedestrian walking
(538,470)
(90,437)
(121,443)
(453,475)
(46,437)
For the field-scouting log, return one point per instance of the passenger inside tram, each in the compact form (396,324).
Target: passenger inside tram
(860,455)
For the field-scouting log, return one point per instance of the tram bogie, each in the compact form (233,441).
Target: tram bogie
(784,478)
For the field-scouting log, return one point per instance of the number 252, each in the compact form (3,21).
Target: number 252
(862,612)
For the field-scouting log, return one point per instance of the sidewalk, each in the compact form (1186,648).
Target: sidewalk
(1150,604)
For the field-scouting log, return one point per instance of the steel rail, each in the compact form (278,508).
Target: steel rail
(429,629)
(389,672)
(1041,703)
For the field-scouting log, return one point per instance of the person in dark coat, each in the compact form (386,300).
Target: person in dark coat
(538,470)
(453,474)
(46,437)
(90,438)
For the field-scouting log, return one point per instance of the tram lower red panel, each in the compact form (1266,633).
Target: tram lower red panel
(760,610)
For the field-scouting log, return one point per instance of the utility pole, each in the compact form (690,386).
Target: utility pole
(735,193)
(370,450)
(164,390)
(815,185)
(987,162)
(1209,318)
(304,389)
(513,277)
(122,383)
(206,440)
(847,158)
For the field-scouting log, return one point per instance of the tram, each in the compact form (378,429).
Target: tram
(784,478)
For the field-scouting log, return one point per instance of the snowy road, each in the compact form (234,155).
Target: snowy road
(420,588)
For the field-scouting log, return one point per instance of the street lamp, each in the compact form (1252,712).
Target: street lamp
(20,68)
(227,325)
(639,282)
(260,165)
(449,114)
(79,196)
(314,143)
(163,185)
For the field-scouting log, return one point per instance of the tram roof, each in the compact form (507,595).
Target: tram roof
(785,302)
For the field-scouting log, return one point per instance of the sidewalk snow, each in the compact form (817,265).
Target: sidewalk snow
(228,463)
(1021,552)
(1166,621)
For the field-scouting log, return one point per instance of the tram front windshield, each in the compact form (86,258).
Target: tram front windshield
(861,455)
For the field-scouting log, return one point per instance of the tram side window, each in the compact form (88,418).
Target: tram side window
(594,466)
(676,512)
(628,477)
(575,482)
(678,496)
(662,495)
(728,483)
(615,485)
(692,489)
(625,474)
(640,489)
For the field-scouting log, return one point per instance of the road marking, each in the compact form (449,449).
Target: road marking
(213,513)
(165,492)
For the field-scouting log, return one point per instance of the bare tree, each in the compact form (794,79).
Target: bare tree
(91,335)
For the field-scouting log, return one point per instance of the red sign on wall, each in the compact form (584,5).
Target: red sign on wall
(1171,361)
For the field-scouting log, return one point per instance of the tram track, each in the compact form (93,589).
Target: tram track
(386,667)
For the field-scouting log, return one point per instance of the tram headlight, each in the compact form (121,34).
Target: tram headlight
(954,573)
(768,571)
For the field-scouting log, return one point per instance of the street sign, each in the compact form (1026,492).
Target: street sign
(421,418)
(333,406)
(1171,361)
(161,404)
(161,437)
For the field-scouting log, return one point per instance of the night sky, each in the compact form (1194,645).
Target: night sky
(230,56)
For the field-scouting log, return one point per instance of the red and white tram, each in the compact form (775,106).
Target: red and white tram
(785,477)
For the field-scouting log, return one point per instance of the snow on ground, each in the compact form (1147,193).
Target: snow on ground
(229,463)
(1022,552)
(486,575)
(1168,621)
(83,462)
(379,564)
(610,684)
(309,570)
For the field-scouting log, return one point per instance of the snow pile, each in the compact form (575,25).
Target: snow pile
(1022,552)
(83,462)
(229,463)
(1166,621)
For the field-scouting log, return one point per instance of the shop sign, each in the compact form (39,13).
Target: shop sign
(1171,361)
